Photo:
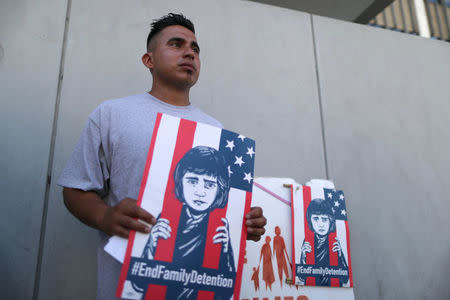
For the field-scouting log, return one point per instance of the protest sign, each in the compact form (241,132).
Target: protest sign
(267,272)
(321,237)
(198,182)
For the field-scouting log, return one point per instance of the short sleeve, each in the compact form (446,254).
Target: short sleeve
(87,168)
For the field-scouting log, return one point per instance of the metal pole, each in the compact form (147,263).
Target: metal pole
(412,16)
(402,14)
(428,14)
(384,19)
(422,18)
(394,20)
(438,20)
(444,9)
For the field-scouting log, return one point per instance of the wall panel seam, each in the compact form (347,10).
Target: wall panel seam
(51,153)
(319,96)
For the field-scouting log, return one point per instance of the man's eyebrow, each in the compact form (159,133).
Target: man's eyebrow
(211,180)
(176,39)
(192,177)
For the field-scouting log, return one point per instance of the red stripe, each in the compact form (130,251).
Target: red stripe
(212,252)
(126,264)
(350,274)
(172,206)
(333,256)
(205,295)
(237,282)
(293,215)
(157,292)
(309,235)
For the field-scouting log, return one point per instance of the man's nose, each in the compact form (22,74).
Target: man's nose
(189,52)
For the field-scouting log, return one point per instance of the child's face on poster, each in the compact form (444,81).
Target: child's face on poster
(320,223)
(199,191)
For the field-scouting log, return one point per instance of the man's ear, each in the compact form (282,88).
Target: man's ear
(147,60)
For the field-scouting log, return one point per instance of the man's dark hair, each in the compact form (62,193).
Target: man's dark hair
(204,160)
(320,207)
(168,20)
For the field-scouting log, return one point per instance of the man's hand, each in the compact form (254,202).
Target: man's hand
(90,209)
(120,219)
(255,222)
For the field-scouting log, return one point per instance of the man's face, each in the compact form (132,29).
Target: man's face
(199,191)
(320,223)
(175,57)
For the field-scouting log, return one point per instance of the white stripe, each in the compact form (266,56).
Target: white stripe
(207,135)
(341,234)
(317,192)
(235,215)
(158,175)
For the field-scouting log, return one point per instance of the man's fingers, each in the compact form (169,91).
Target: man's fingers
(132,224)
(255,212)
(253,237)
(145,216)
(255,218)
(258,222)
(122,232)
(255,231)
(130,208)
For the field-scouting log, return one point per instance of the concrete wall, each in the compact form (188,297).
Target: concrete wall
(386,130)
(280,76)
(31,36)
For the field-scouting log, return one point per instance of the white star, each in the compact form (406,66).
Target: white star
(341,197)
(248,177)
(336,203)
(229,171)
(343,212)
(239,161)
(241,137)
(230,144)
(330,195)
(250,152)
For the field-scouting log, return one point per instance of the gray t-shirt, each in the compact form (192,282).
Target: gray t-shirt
(110,158)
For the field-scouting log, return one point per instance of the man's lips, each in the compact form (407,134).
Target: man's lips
(188,66)
(199,202)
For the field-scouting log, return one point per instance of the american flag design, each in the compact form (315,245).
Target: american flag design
(167,275)
(321,247)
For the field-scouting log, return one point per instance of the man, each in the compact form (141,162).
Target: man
(101,180)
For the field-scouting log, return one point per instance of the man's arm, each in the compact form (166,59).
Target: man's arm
(90,209)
